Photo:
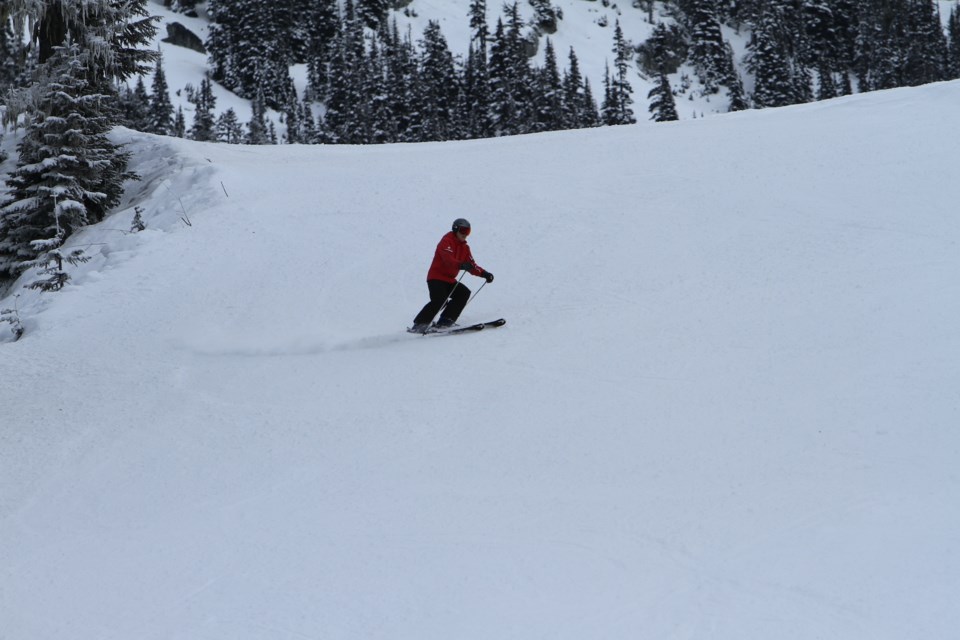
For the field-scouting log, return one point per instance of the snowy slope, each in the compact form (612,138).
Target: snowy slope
(724,406)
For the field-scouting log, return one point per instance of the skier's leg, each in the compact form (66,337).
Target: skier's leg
(439,292)
(461,295)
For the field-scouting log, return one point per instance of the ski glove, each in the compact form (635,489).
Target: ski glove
(466,266)
(487,276)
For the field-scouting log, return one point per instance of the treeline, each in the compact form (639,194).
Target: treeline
(804,50)
(368,83)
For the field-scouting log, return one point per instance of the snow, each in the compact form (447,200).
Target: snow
(721,407)
(724,405)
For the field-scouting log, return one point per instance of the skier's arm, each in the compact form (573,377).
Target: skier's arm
(475,269)
(471,265)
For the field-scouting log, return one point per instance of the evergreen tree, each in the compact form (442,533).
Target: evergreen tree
(899,43)
(549,94)
(401,86)
(475,109)
(664,51)
(135,106)
(511,95)
(347,117)
(379,113)
(67,177)
(591,115)
(322,26)
(738,97)
(711,56)
(298,29)
(826,87)
(11,54)
(228,128)
(112,31)
(439,86)
(769,64)
(180,124)
(608,107)
(161,109)
(257,130)
(618,94)
(69,174)
(478,23)
(662,106)
(824,38)
(204,122)
(573,107)
(953,30)
(545,16)
(309,123)
(927,51)
(373,12)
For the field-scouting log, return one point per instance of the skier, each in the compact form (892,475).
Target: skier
(452,256)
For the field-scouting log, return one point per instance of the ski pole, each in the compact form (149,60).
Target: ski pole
(475,294)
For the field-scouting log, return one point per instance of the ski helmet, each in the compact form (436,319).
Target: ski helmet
(461,225)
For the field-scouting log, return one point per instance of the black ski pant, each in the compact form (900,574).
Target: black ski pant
(439,292)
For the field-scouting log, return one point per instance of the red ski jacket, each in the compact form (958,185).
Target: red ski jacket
(451,253)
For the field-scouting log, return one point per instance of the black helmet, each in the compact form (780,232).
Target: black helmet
(461,225)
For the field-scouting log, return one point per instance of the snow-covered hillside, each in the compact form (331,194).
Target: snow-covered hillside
(586,26)
(724,405)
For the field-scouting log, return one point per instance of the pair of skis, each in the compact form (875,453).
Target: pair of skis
(480,326)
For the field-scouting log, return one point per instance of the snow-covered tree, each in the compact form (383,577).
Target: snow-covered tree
(711,56)
(204,120)
(573,104)
(373,12)
(511,78)
(438,84)
(475,115)
(111,32)
(769,63)
(135,106)
(228,127)
(478,24)
(549,93)
(68,175)
(180,124)
(953,54)
(663,108)
(11,51)
(618,95)
(257,130)
(161,108)
(591,114)
(322,26)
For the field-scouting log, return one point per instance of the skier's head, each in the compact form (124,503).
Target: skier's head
(461,225)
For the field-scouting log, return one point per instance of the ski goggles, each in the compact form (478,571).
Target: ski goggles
(464,230)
